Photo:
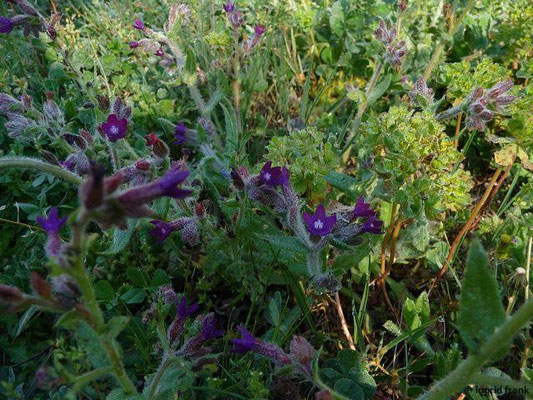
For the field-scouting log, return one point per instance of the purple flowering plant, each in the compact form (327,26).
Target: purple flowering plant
(213,194)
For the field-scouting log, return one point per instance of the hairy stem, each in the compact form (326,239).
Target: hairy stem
(466,371)
(84,379)
(361,110)
(38,165)
(167,361)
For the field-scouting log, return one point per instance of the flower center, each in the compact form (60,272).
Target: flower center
(114,130)
(267,176)
(318,224)
(163,231)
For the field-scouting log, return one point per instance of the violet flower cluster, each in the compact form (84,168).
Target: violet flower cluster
(395,49)
(482,105)
(272,188)
(30,21)
(110,206)
(195,348)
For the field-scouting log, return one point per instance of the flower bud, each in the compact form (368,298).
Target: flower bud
(92,191)
(40,285)
(11,295)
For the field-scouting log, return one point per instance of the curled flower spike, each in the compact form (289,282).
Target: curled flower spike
(187,225)
(372,225)
(274,176)
(318,223)
(52,225)
(138,24)
(209,328)
(362,209)
(268,350)
(6,25)
(180,132)
(483,105)
(421,92)
(182,313)
(385,34)
(115,127)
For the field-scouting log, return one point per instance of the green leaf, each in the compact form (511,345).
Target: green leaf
(137,277)
(336,19)
(291,243)
(160,278)
(345,183)
(379,90)
(349,388)
(480,307)
(134,296)
(121,238)
(190,64)
(274,310)
(104,290)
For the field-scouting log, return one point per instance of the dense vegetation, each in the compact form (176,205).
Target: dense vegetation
(266,199)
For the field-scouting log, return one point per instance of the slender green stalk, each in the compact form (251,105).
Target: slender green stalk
(38,165)
(440,48)
(84,379)
(80,275)
(467,369)
(362,108)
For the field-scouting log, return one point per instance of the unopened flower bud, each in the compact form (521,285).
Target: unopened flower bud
(199,209)
(40,285)
(92,191)
(11,295)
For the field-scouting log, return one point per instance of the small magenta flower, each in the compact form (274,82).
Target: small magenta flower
(274,176)
(52,225)
(372,225)
(180,132)
(229,6)
(319,224)
(6,25)
(115,127)
(162,230)
(138,24)
(259,30)
(362,209)
(159,53)
(133,44)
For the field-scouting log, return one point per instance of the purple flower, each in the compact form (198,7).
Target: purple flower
(162,230)
(259,30)
(274,176)
(6,25)
(134,44)
(180,132)
(52,225)
(372,225)
(245,344)
(138,24)
(115,127)
(362,209)
(268,350)
(209,329)
(319,224)
(159,53)
(183,310)
(229,6)
(169,183)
